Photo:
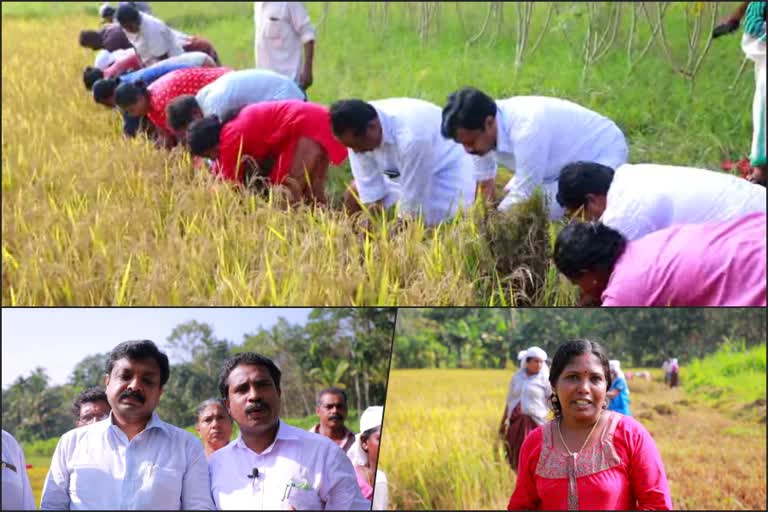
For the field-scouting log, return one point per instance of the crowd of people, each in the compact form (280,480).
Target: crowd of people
(121,455)
(570,436)
(640,234)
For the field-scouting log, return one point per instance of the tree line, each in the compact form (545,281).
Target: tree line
(343,347)
(490,338)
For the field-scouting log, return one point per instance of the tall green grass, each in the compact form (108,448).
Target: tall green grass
(734,371)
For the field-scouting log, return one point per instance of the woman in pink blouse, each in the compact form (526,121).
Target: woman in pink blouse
(588,458)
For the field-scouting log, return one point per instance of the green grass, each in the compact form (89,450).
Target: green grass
(733,371)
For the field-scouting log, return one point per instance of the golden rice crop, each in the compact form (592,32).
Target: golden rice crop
(91,218)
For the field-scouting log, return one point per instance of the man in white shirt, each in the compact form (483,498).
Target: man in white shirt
(402,135)
(17,491)
(152,39)
(283,31)
(636,200)
(132,460)
(331,408)
(272,465)
(534,136)
(232,91)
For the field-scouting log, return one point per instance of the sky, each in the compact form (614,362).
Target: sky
(58,338)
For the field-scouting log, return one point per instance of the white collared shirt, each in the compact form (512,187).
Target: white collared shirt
(644,198)
(154,40)
(282,30)
(17,491)
(300,469)
(95,467)
(435,172)
(538,136)
(237,89)
(531,392)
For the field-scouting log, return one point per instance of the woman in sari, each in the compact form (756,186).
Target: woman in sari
(526,406)
(588,458)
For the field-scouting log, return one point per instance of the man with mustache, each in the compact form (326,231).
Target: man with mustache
(331,408)
(272,465)
(132,460)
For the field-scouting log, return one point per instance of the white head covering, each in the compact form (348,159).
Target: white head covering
(538,354)
(104,59)
(371,418)
(615,366)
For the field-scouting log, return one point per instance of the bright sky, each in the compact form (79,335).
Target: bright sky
(59,338)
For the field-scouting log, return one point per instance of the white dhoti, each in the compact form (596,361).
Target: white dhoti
(754,49)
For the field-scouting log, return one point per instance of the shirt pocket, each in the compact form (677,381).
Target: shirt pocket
(165,483)
(89,483)
(275,29)
(302,499)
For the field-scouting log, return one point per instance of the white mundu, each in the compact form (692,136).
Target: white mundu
(538,136)
(239,88)
(282,30)
(644,198)
(435,173)
(299,469)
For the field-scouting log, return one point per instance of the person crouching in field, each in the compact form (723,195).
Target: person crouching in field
(230,92)
(688,265)
(104,89)
(526,406)
(139,100)
(618,393)
(534,136)
(403,135)
(588,458)
(637,200)
(214,425)
(282,143)
(674,373)
(154,40)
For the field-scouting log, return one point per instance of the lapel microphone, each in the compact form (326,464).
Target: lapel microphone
(254,474)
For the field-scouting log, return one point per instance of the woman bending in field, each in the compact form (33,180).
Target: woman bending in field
(588,458)
(287,143)
(526,406)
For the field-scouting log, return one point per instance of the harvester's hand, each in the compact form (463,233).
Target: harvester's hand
(724,28)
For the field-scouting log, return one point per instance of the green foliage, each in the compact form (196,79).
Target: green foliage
(735,370)
(489,338)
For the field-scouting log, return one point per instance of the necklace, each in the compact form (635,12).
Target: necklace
(560,433)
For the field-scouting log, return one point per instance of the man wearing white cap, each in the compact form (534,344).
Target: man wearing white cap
(618,393)
(526,406)
(272,465)
(364,454)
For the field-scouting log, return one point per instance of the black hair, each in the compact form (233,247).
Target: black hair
(179,111)
(108,12)
(140,349)
(368,433)
(87,396)
(467,108)
(578,179)
(229,115)
(247,358)
(104,89)
(203,135)
(91,75)
(564,354)
(351,115)
(126,94)
(91,36)
(331,391)
(127,14)
(582,247)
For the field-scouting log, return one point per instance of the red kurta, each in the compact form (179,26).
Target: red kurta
(271,130)
(175,84)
